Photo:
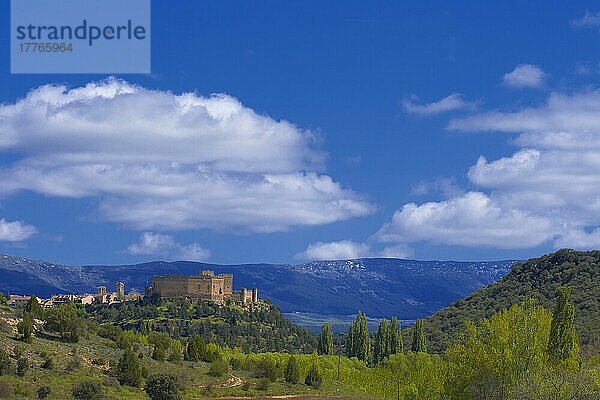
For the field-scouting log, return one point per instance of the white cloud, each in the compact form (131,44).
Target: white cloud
(155,244)
(473,219)
(564,117)
(525,75)
(157,160)
(15,231)
(547,191)
(453,102)
(588,20)
(347,249)
(342,250)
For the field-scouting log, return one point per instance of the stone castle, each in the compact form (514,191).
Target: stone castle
(205,286)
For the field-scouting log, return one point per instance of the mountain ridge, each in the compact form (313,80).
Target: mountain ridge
(381,287)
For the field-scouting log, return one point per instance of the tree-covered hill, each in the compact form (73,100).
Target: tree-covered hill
(260,330)
(538,278)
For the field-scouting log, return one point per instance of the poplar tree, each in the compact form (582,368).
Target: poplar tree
(325,343)
(419,343)
(396,342)
(358,343)
(561,344)
(382,341)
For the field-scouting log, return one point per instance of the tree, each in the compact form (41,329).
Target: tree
(34,308)
(419,343)
(163,387)
(65,321)
(292,371)
(87,390)
(358,343)
(396,342)
(562,342)
(313,378)
(325,342)
(381,348)
(25,327)
(196,348)
(500,354)
(3,300)
(130,370)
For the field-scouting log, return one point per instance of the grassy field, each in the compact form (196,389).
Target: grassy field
(91,358)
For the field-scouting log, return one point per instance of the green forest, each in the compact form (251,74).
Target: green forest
(537,346)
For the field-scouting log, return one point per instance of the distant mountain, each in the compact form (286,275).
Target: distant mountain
(380,287)
(538,278)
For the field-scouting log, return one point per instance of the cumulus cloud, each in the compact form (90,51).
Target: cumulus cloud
(159,160)
(546,192)
(347,249)
(525,75)
(473,219)
(15,231)
(588,20)
(453,102)
(155,244)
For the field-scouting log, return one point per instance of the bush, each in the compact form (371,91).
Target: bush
(74,363)
(292,371)
(18,351)
(236,363)
(43,392)
(48,363)
(22,366)
(218,368)
(87,390)
(263,384)
(5,363)
(314,378)
(163,387)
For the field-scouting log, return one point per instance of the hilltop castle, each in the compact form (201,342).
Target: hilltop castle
(205,286)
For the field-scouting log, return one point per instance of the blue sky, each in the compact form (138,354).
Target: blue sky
(463,131)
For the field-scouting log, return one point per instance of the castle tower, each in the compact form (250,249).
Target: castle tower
(120,289)
(101,289)
(255,295)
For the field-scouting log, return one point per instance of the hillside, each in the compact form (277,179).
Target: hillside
(378,287)
(538,278)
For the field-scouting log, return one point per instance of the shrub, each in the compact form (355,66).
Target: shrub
(314,378)
(87,390)
(74,363)
(48,363)
(43,392)
(5,363)
(236,363)
(22,366)
(292,371)
(18,351)
(246,386)
(218,368)
(163,387)
(263,384)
